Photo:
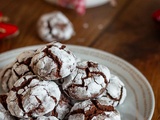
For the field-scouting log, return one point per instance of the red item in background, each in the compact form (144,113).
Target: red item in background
(79,5)
(156,15)
(8,30)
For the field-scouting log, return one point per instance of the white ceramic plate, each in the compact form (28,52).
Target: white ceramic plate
(89,3)
(139,104)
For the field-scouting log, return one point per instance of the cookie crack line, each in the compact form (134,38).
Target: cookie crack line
(50,30)
(23,84)
(3,101)
(55,100)
(4,80)
(63,48)
(3,73)
(102,107)
(91,75)
(19,96)
(88,73)
(34,63)
(55,59)
(116,99)
(7,82)
(89,114)
(26,62)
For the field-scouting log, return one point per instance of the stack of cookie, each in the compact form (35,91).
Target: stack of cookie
(51,83)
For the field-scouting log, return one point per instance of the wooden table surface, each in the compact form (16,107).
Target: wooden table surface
(126,30)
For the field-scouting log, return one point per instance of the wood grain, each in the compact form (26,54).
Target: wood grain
(126,30)
(28,13)
(134,37)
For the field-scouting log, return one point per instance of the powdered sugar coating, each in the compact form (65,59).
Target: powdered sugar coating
(86,105)
(62,109)
(88,80)
(105,101)
(4,113)
(93,110)
(113,115)
(31,97)
(55,26)
(53,61)
(12,72)
(115,91)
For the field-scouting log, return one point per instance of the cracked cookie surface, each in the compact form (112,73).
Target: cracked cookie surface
(55,26)
(53,61)
(4,113)
(93,110)
(12,72)
(31,97)
(88,80)
(115,91)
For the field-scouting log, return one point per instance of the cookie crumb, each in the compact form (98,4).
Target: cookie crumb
(85,25)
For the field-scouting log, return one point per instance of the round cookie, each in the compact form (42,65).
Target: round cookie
(93,110)
(55,26)
(31,97)
(53,61)
(88,80)
(115,91)
(4,113)
(12,72)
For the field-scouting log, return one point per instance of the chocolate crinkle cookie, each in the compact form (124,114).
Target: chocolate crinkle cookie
(55,26)
(4,113)
(115,91)
(93,110)
(53,61)
(87,81)
(31,97)
(51,83)
(12,72)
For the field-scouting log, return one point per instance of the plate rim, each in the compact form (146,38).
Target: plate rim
(94,50)
(89,3)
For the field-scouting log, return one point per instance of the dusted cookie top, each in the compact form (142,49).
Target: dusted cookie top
(12,72)
(4,113)
(115,91)
(31,97)
(53,61)
(55,26)
(88,80)
(93,110)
